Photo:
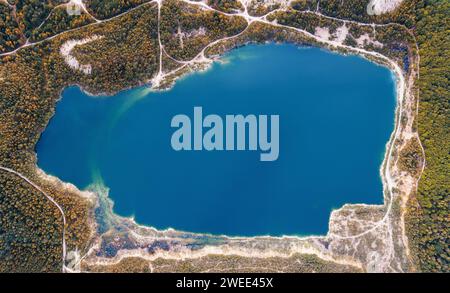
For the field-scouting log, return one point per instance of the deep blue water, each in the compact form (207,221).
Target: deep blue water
(336,115)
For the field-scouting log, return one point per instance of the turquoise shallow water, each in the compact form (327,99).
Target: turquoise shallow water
(336,116)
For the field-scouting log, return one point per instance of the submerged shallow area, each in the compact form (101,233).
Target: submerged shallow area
(336,116)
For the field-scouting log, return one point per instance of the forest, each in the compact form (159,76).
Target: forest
(31,81)
(102,9)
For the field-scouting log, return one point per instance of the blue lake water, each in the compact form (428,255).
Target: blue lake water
(336,116)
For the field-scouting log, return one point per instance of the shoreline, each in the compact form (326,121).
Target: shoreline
(390,181)
(387,200)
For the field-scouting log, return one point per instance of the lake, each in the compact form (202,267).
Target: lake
(336,114)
